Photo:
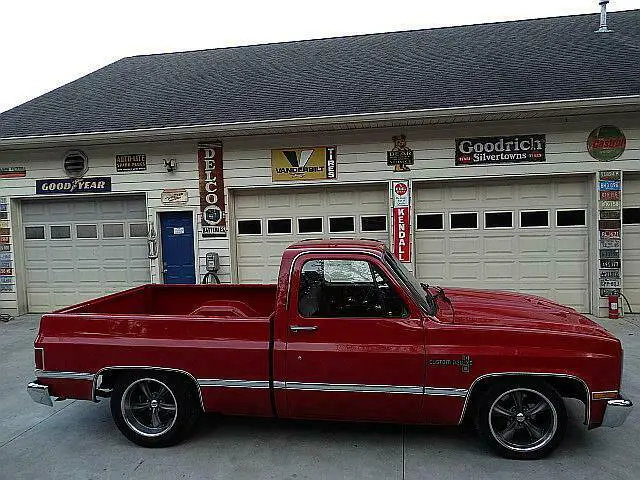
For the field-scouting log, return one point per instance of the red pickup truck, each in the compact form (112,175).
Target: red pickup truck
(347,334)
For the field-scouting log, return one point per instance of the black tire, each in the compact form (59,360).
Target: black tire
(522,420)
(154,409)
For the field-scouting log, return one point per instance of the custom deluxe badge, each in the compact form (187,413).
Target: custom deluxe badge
(465,363)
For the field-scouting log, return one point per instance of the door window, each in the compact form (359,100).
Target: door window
(347,288)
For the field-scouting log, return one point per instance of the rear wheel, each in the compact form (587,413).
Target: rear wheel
(522,421)
(154,409)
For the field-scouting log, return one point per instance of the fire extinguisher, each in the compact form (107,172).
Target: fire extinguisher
(613,307)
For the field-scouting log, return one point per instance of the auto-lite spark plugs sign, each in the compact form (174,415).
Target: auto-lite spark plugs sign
(401,195)
(211,190)
(513,149)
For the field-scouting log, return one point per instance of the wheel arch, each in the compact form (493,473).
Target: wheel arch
(107,376)
(567,386)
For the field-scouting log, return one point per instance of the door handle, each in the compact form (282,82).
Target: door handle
(299,328)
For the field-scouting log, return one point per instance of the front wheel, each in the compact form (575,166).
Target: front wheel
(522,421)
(154,409)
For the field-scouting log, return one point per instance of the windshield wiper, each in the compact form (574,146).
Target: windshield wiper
(444,297)
(431,298)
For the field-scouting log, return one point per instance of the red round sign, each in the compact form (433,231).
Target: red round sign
(401,189)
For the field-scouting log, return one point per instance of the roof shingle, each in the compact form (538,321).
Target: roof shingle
(558,58)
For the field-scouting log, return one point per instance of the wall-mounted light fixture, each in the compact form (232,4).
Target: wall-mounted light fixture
(170,164)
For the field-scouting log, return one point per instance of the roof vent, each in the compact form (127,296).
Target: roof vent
(603,17)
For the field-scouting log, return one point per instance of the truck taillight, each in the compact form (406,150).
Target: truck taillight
(39,354)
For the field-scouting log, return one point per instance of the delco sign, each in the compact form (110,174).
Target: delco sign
(212,190)
(75,185)
(513,149)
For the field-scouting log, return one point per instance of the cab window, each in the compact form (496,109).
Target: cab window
(347,288)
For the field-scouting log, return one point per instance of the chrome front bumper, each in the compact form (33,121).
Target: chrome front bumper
(617,412)
(39,393)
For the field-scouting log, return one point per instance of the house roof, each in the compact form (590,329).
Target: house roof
(541,60)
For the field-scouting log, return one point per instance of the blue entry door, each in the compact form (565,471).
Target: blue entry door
(178,259)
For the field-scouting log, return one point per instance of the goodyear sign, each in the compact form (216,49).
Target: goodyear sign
(311,163)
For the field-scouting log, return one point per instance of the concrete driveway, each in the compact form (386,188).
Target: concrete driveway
(78,440)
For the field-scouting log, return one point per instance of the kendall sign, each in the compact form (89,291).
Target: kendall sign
(401,195)
(212,206)
(514,149)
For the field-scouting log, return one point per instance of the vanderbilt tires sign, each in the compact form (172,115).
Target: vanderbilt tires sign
(312,163)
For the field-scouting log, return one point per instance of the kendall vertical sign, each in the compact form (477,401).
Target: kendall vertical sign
(401,196)
(212,206)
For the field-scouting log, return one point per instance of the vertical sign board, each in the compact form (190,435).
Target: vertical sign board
(610,232)
(401,215)
(7,280)
(214,222)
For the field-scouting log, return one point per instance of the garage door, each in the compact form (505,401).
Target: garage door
(529,237)
(268,221)
(80,249)
(631,240)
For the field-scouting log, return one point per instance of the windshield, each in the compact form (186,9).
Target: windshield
(421,295)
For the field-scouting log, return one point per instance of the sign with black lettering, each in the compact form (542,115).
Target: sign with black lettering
(212,205)
(73,185)
(133,162)
(610,253)
(512,149)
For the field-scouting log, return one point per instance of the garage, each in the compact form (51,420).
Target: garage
(631,240)
(77,249)
(268,220)
(527,236)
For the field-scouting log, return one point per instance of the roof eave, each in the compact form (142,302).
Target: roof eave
(437,115)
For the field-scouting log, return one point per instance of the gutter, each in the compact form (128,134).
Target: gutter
(257,127)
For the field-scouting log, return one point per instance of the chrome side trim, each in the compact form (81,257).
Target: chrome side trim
(533,374)
(350,387)
(64,375)
(134,367)
(449,392)
(217,382)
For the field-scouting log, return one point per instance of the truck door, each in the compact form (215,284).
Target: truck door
(355,342)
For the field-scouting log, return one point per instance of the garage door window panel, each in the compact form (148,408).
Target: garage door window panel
(113,230)
(571,218)
(534,219)
(34,233)
(250,227)
(348,289)
(373,223)
(60,232)
(631,216)
(430,221)
(279,226)
(310,225)
(342,225)
(138,230)
(86,231)
(498,220)
(463,221)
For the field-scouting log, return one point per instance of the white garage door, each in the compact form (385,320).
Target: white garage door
(78,249)
(529,237)
(631,241)
(269,220)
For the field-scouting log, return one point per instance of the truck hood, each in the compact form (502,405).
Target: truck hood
(510,309)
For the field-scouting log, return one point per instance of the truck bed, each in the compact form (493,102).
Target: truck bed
(220,301)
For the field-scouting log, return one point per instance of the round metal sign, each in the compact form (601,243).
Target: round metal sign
(606,143)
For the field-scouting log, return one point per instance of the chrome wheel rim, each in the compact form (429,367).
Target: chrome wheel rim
(523,420)
(149,407)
